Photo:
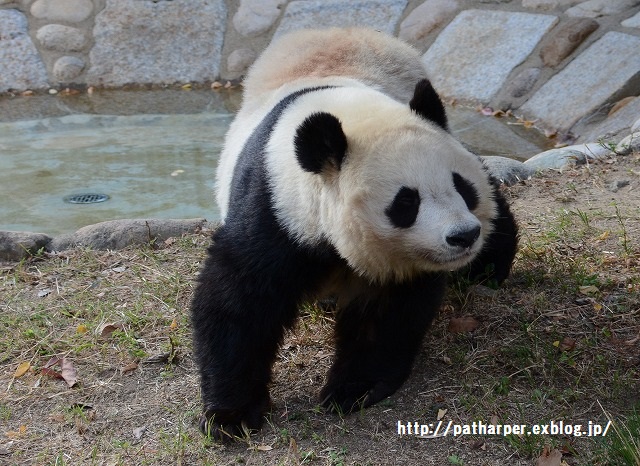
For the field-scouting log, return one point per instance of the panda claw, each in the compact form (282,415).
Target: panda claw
(226,426)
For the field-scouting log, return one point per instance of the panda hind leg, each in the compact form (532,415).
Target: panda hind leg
(377,337)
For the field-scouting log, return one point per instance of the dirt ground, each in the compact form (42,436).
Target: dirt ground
(560,341)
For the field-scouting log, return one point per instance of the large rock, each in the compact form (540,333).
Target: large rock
(472,58)
(18,245)
(588,82)
(182,42)
(22,67)
(118,234)
(381,15)
(565,156)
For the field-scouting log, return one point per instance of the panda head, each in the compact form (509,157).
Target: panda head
(401,196)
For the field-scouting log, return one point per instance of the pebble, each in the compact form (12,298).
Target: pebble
(255,17)
(631,143)
(72,11)
(239,60)
(615,186)
(67,68)
(61,38)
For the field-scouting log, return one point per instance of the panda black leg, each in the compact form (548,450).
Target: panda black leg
(248,294)
(377,337)
(238,322)
(494,262)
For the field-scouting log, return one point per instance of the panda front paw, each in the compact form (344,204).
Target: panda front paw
(347,397)
(228,425)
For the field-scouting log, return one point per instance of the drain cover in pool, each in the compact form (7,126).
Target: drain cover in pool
(86,198)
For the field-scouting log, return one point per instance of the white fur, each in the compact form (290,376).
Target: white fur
(389,147)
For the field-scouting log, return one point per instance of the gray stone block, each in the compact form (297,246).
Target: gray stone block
(588,82)
(476,52)
(118,234)
(381,15)
(25,69)
(157,42)
(18,245)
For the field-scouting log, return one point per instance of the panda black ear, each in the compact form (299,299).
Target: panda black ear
(320,141)
(427,104)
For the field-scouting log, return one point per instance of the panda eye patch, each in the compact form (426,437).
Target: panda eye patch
(466,189)
(403,211)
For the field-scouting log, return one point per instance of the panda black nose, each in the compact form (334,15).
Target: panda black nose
(464,238)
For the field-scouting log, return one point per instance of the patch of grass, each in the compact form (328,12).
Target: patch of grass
(623,442)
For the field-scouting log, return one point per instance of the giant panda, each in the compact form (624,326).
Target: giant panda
(338,179)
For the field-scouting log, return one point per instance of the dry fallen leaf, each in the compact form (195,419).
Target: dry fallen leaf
(441,413)
(69,373)
(129,368)
(105,330)
(567,344)
(13,434)
(463,324)
(549,457)
(263,447)
(589,289)
(22,369)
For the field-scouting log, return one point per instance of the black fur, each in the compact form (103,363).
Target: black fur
(495,260)
(427,104)
(403,211)
(320,141)
(466,190)
(377,339)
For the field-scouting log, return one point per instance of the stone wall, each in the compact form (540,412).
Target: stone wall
(564,63)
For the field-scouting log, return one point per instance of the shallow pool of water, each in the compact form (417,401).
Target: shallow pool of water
(154,153)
